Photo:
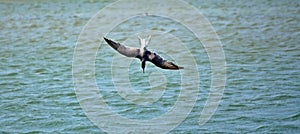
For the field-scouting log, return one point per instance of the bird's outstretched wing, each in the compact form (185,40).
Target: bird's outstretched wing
(160,62)
(124,50)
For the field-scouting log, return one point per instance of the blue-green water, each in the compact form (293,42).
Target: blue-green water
(260,41)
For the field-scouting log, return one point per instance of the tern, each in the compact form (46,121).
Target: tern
(143,54)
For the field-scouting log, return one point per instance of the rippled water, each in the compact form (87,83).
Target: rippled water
(260,41)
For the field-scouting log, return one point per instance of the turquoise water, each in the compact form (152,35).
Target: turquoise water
(260,41)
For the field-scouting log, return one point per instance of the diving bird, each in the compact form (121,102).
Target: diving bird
(143,54)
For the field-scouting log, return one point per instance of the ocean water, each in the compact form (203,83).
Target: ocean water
(259,39)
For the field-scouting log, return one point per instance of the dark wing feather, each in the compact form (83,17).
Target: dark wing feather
(160,62)
(127,51)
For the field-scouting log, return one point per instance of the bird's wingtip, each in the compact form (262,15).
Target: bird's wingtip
(106,39)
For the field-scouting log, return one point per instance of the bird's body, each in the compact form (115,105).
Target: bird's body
(143,54)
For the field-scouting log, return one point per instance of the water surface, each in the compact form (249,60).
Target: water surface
(260,41)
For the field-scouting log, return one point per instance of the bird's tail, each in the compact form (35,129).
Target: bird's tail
(144,41)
